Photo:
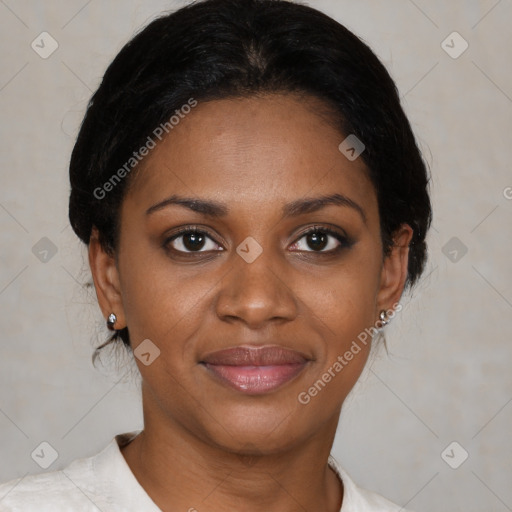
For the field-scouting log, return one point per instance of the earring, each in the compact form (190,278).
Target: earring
(111,321)
(384,317)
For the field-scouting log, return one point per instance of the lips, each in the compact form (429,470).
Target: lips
(255,370)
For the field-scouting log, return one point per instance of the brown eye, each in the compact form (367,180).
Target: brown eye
(190,241)
(323,240)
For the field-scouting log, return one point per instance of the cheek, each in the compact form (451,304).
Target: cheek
(345,310)
(161,298)
(162,301)
(345,300)
(342,309)
(343,306)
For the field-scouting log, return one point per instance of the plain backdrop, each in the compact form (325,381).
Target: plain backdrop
(447,377)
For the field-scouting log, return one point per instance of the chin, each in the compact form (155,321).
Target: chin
(269,428)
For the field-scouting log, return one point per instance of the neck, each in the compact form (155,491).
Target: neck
(181,471)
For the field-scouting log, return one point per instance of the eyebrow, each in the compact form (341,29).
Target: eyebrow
(215,209)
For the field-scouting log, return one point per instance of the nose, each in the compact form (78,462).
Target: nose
(256,293)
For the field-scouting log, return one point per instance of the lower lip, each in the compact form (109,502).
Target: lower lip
(256,380)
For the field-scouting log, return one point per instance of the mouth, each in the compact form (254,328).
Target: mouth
(255,370)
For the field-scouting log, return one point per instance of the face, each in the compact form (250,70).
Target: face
(248,229)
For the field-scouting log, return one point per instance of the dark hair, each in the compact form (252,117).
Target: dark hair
(214,49)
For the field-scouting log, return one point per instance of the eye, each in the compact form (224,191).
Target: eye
(322,240)
(190,240)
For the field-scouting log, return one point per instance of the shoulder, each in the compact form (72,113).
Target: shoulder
(44,492)
(356,499)
(82,485)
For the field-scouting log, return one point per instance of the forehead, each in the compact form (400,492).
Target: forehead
(250,152)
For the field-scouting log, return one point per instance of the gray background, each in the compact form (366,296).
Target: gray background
(447,377)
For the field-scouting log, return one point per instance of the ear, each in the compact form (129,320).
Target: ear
(106,280)
(394,269)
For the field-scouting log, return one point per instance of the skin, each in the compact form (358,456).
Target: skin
(206,446)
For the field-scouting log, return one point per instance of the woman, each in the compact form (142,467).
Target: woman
(254,205)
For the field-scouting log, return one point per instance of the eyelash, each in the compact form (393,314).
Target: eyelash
(344,241)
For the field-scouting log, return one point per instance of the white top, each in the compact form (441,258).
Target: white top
(105,482)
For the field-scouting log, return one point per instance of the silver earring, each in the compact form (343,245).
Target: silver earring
(111,321)
(384,317)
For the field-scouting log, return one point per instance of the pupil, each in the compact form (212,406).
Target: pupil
(317,240)
(193,241)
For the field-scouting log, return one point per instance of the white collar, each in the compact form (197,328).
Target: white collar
(110,466)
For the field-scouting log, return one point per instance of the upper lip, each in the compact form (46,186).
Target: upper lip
(267,355)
